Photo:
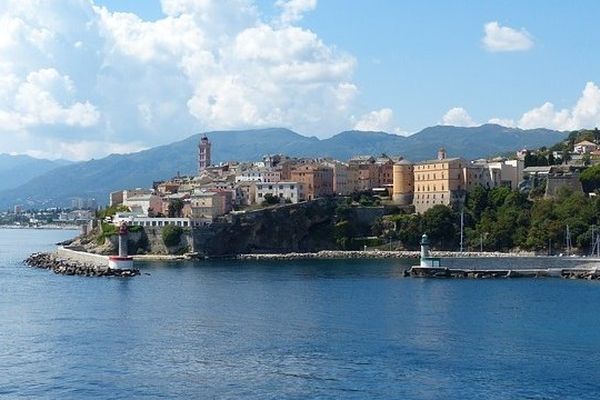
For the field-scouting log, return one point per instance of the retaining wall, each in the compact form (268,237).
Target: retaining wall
(81,257)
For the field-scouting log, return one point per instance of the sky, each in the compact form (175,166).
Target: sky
(81,79)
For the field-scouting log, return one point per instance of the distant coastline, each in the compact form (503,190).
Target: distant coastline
(48,227)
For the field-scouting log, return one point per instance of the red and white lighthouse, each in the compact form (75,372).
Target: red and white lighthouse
(123,260)
(203,154)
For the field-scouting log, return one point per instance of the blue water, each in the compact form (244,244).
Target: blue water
(290,330)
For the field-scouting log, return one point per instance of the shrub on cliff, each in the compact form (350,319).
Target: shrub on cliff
(171,235)
(270,200)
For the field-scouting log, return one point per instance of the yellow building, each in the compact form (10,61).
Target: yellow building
(439,181)
(404,183)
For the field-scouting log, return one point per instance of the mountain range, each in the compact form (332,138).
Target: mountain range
(17,169)
(97,178)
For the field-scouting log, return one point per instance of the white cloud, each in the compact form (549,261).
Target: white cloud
(378,121)
(72,70)
(458,116)
(507,122)
(293,10)
(500,38)
(34,102)
(585,114)
(82,150)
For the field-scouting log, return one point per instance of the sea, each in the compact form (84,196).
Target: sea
(302,329)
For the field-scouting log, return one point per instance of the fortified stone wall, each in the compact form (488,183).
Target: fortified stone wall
(556,182)
(156,245)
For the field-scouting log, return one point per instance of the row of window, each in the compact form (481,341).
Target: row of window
(426,177)
(260,187)
(432,166)
(423,188)
(426,196)
(161,223)
(280,195)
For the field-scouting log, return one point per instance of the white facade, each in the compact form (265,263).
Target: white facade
(158,222)
(250,175)
(585,147)
(145,205)
(499,173)
(292,191)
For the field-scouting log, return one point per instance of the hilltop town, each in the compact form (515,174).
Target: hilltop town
(231,187)
(281,204)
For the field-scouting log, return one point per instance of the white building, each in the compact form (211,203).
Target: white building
(585,147)
(145,204)
(154,222)
(292,191)
(250,175)
(499,172)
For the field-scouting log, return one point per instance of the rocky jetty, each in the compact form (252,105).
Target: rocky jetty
(70,267)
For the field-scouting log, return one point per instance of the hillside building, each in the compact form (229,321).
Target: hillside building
(147,205)
(290,191)
(207,206)
(585,147)
(342,177)
(317,180)
(439,181)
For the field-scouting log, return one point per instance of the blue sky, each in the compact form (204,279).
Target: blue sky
(421,58)
(84,78)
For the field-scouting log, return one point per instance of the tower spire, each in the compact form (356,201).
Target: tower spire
(203,154)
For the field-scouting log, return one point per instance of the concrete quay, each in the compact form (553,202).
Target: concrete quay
(565,273)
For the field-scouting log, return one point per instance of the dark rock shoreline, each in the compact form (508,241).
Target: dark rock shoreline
(69,267)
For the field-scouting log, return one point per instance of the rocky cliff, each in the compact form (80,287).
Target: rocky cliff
(303,227)
(288,228)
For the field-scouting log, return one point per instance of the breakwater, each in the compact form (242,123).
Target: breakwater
(66,266)
(565,273)
(375,254)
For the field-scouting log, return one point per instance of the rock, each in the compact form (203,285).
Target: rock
(70,267)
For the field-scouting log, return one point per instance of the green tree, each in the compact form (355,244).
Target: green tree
(175,209)
(343,234)
(440,224)
(408,230)
(590,178)
(171,235)
(270,200)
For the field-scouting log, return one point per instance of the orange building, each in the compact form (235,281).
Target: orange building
(440,181)
(317,180)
